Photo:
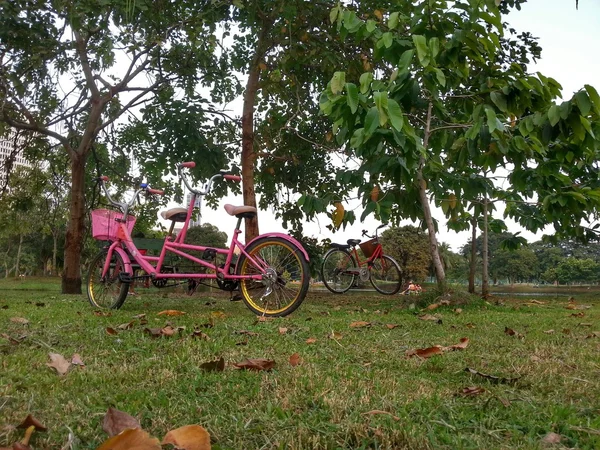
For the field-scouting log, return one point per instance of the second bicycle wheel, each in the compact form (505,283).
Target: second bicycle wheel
(108,291)
(386,275)
(336,271)
(284,281)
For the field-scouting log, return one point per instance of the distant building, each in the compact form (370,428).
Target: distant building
(11,152)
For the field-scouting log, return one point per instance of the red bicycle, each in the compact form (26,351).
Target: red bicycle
(271,271)
(342,265)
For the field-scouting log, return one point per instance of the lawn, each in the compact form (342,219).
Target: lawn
(354,387)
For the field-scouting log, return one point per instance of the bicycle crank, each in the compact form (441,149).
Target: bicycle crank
(364,274)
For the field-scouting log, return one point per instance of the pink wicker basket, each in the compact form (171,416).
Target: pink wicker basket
(104,226)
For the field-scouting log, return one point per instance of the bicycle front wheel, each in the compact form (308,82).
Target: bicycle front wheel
(106,292)
(336,271)
(285,277)
(386,275)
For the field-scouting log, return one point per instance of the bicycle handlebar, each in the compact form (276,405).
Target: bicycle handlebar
(124,206)
(365,232)
(224,173)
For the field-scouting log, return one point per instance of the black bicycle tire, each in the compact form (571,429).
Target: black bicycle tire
(324,278)
(97,264)
(398,285)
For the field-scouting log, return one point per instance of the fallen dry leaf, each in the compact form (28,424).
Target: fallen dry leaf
(139,316)
(217,365)
(171,312)
(458,311)
(432,306)
(472,391)
(579,314)
(126,326)
(311,340)
(295,359)
(593,334)
(59,363)
(425,352)
(585,324)
(549,331)
(445,302)
(32,421)
(111,331)
(378,411)
(360,324)
(470,325)
(255,364)
(188,437)
(154,332)
(511,332)
(536,302)
(283,330)
(116,421)
(335,335)
(168,331)
(551,439)
(492,378)
(200,335)
(391,326)
(76,360)
(464,342)
(429,317)
(218,315)
(102,313)
(20,320)
(131,439)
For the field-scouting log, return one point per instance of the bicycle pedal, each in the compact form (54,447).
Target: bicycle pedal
(125,278)
(192,285)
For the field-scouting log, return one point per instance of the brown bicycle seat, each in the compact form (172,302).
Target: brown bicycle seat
(175,214)
(245,212)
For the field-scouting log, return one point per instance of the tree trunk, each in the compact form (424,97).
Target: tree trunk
(433,245)
(472,263)
(485,281)
(53,270)
(71,278)
(248,152)
(18,261)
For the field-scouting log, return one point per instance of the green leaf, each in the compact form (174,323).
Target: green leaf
(396,117)
(352,96)
(371,121)
(491,119)
(405,60)
(381,101)
(333,14)
(554,115)
(440,77)
(337,82)
(358,137)
(365,82)
(422,50)
(434,47)
(393,20)
(371,25)
(499,100)
(388,39)
(583,102)
(586,124)
(594,97)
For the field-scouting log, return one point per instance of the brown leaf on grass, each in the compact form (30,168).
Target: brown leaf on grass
(593,334)
(425,352)
(472,391)
(295,360)
(511,332)
(283,330)
(458,311)
(198,334)
(360,324)
(246,332)
(549,331)
(188,437)
(432,306)
(168,331)
(391,326)
(263,319)
(153,332)
(585,324)
(126,326)
(111,331)
(257,364)
(536,302)
(464,342)
(551,439)
(102,313)
(311,340)
(579,314)
(335,335)
(470,325)
(171,312)
(116,421)
(76,360)
(492,378)
(20,320)
(32,421)
(217,365)
(139,316)
(218,315)
(131,439)
(378,411)
(244,342)
(59,363)
(445,302)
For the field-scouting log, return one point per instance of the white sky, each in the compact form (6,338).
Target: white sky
(570,40)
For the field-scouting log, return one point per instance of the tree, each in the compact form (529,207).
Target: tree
(70,71)
(450,101)
(408,245)
(206,235)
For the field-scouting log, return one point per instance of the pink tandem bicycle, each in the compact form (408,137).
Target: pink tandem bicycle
(271,271)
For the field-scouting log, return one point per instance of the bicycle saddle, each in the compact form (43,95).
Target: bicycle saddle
(351,243)
(174,214)
(245,212)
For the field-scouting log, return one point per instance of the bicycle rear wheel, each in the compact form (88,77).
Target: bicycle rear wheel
(386,275)
(285,278)
(334,271)
(106,292)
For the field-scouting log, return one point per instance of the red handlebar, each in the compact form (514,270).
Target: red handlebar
(232,177)
(189,165)
(104,178)
(156,191)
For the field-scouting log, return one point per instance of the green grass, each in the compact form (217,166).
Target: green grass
(321,403)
